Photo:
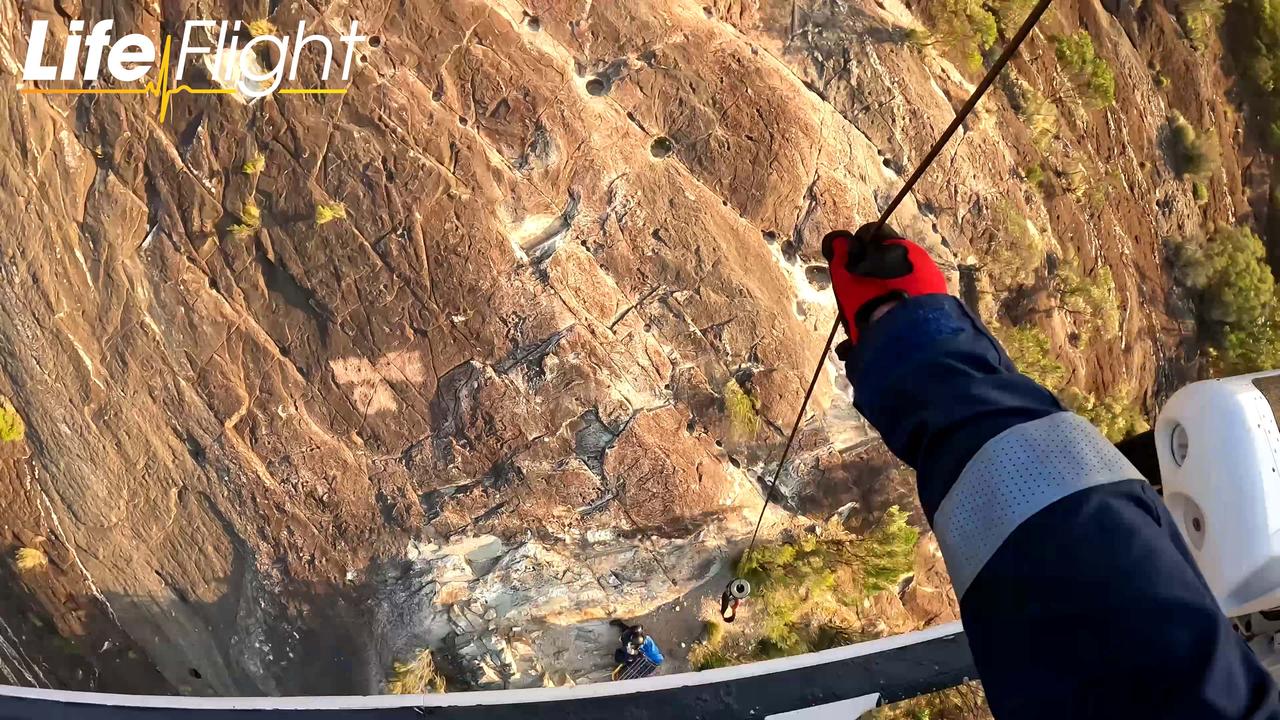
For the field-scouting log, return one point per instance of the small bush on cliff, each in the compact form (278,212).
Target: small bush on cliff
(1091,74)
(1013,247)
(1036,112)
(740,409)
(1090,299)
(1035,176)
(919,37)
(1250,348)
(30,559)
(1115,415)
(417,676)
(262,26)
(12,428)
(254,165)
(1032,353)
(1010,14)
(1236,297)
(1194,155)
(1041,118)
(966,26)
(1199,20)
(1232,272)
(328,212)
(971,27)
(1260,53)
(250,220)
(1199,192)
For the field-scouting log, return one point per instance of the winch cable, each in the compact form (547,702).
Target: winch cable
(739,588)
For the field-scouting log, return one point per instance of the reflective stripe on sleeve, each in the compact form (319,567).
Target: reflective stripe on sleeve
(1016,474)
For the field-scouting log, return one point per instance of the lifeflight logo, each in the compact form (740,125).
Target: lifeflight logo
(235,69)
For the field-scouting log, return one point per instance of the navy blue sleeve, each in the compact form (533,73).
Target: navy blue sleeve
(1091,606)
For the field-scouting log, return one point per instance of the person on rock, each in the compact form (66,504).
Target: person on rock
(1078,596)
(635,645)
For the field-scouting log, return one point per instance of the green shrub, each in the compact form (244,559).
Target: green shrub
(1250,348)
(1091,74)
(1010,14)
(966,26)
(1014,248)
(809,588)
(1199,20)
(1030,350)
(1194,155)
(1115,415)
(1091,300)
(885,555)
(706,657)
(879,559)
(1238,286)
(262,26)
(254,165)
(1041,119)
(1200,192)
(971,27)
(1237,297)
(714,632)
(920,38)
(250,220)
(1035,175)
(740,408)
(1036,112)
(1032,353)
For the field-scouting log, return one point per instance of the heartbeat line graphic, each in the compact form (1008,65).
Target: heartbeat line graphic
(160,88)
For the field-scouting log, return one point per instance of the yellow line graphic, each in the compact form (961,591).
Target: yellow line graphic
(161,88)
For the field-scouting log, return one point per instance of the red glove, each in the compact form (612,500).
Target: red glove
(869,270)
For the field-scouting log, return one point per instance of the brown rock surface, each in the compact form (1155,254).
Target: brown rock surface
(242,447)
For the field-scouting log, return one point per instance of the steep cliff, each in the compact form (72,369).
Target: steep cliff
(484,411)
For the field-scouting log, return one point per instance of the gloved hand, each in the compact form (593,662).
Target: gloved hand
(869,270)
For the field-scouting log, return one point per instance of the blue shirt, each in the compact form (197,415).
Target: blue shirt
(650,650)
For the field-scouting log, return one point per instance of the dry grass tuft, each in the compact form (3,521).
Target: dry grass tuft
(261,27)
(12,428)
(254,165)
(418,676)
(31,559)
(327,212)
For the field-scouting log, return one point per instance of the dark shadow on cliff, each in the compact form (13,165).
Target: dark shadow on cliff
(36,654)
(267,637)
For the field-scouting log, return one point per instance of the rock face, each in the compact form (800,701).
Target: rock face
(483,412)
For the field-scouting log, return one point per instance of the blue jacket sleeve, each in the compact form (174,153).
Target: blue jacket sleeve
(1078,595)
